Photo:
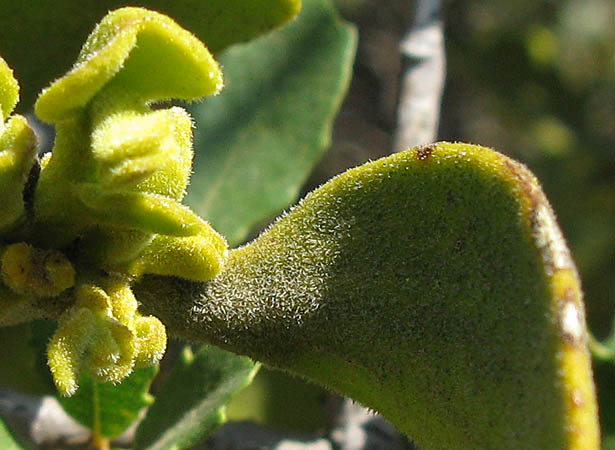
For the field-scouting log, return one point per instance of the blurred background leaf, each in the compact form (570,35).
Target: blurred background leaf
(604,374)
(191,402)
(47,46)
(8,441)
(108,409)
(282,401)
(257,142)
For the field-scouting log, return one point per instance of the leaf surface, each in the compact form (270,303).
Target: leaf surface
(257,142)
(433,286)
(108,409)
(191,403)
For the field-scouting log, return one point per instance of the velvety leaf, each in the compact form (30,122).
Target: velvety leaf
(257,141)
(146,56)
(191,403)
(40,39)
(7,440)
(110,409)
(433,286)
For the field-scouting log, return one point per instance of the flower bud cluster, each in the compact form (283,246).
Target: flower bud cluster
(105,207)
(104,332)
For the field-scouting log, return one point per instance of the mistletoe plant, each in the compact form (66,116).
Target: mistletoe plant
(433,286)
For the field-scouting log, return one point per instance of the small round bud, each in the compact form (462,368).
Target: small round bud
(34,272)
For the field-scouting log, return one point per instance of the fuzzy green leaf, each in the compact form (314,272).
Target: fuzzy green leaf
(433,286)
(109,409)
(41,39)
(147,55)
(257,141)
(191,404)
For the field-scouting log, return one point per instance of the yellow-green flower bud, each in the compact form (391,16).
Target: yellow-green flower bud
(111,355)
(111,248)
(147,152)
(197,258)
(34,272)
(140,211)
(151,340)
(128,165)
(9,91)
(123,302)
(66,349)
(111,340)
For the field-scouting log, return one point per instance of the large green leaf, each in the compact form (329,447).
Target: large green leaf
(433,286)
(41,38)
(191,403)
(108,409)
(257,142)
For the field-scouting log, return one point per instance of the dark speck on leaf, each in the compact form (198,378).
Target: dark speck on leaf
(424,152)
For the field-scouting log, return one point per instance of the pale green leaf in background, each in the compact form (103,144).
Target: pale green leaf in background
(108,409)
(257,142)
(191,403)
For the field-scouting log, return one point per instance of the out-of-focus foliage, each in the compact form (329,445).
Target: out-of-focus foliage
(7,440)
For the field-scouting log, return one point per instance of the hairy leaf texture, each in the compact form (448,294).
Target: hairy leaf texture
(433,286)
